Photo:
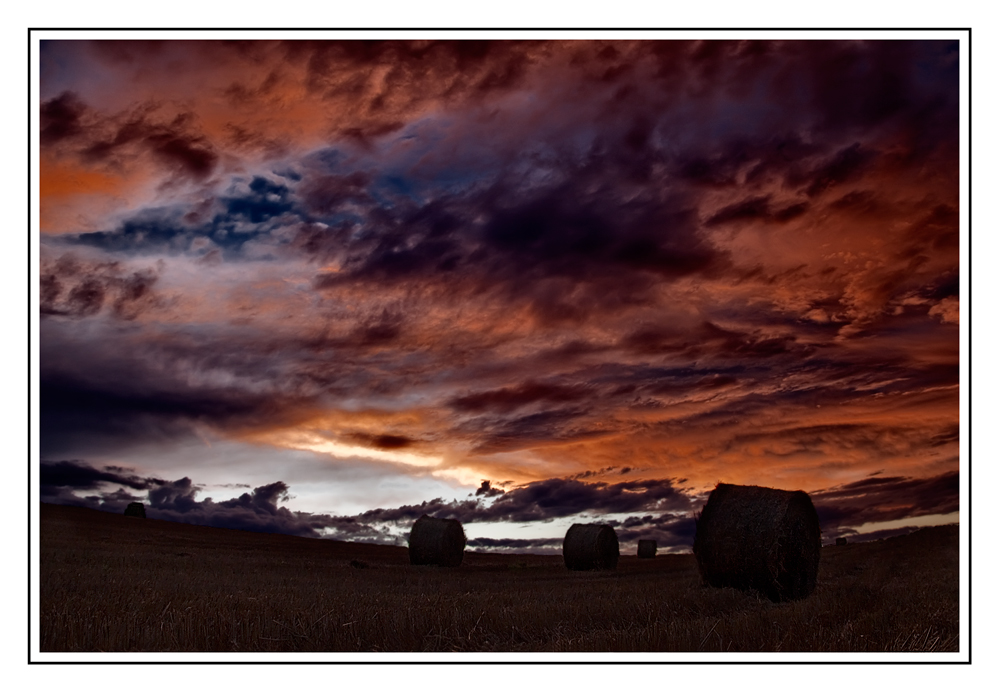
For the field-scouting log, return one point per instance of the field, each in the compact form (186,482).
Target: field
(114,583)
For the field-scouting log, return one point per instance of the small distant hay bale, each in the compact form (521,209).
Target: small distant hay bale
(841,540)
(135,509)
(590,546)
(646,548)
(435,541)
(749,537)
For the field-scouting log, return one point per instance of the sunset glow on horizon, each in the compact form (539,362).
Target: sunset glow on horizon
(324,287)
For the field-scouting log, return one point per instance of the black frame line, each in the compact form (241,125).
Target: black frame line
(31,279)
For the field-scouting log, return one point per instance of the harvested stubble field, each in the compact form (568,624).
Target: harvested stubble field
(115,583)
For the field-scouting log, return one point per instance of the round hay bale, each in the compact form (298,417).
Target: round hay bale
(135,509)
(590,546)
(841,540)
(436,542)
(646,549)
(749,537)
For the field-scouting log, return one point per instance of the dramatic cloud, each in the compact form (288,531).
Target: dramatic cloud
(74,289)
(487,490)
(79,475)
(880,499)
(658,510)
(588,268)
(547,500)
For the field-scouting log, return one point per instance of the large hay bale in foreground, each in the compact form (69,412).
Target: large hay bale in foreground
(749,537)
(646,548)
(135,509)
(590,546)
(841,540)
(436,542)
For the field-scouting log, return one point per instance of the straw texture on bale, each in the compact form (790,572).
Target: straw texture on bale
(135,509)
(646,548)
(841,540)
(749,537)
(436,542)
(590,546)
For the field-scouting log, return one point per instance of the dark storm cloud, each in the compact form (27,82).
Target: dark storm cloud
(500,433)
(80,475)
(561,497)
(60,118)
(597,234)
(816,440)
(547,500)
(74,288)
(120,404)
(811,170)
(668,530)
(256,511)
(887,498)
(659,511)
(532,242)
(756,209)
(823,379)
(858,202)
(846,165)
(61,480)
(936,231)
(948,434)
(104,400)
(177,500)
(873,83)
(709,340)
(486,490)
(380,441)
(97,138)
(835,90)
(115,501)
(568,261)
(760,155)
(729,363)
(508,399)
(623,471)
(172,143)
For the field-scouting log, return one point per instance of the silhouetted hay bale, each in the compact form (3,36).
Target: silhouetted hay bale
(646,548)
(590,546)
(750,537)
(436,542)
(841,540)
(135,509)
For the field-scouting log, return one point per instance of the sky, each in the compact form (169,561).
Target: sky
(325,287)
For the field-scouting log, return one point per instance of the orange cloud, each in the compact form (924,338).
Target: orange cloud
(75,198)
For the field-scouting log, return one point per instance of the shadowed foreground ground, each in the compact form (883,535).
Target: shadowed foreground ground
(114,583)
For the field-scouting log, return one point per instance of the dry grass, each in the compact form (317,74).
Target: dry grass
(109,583)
